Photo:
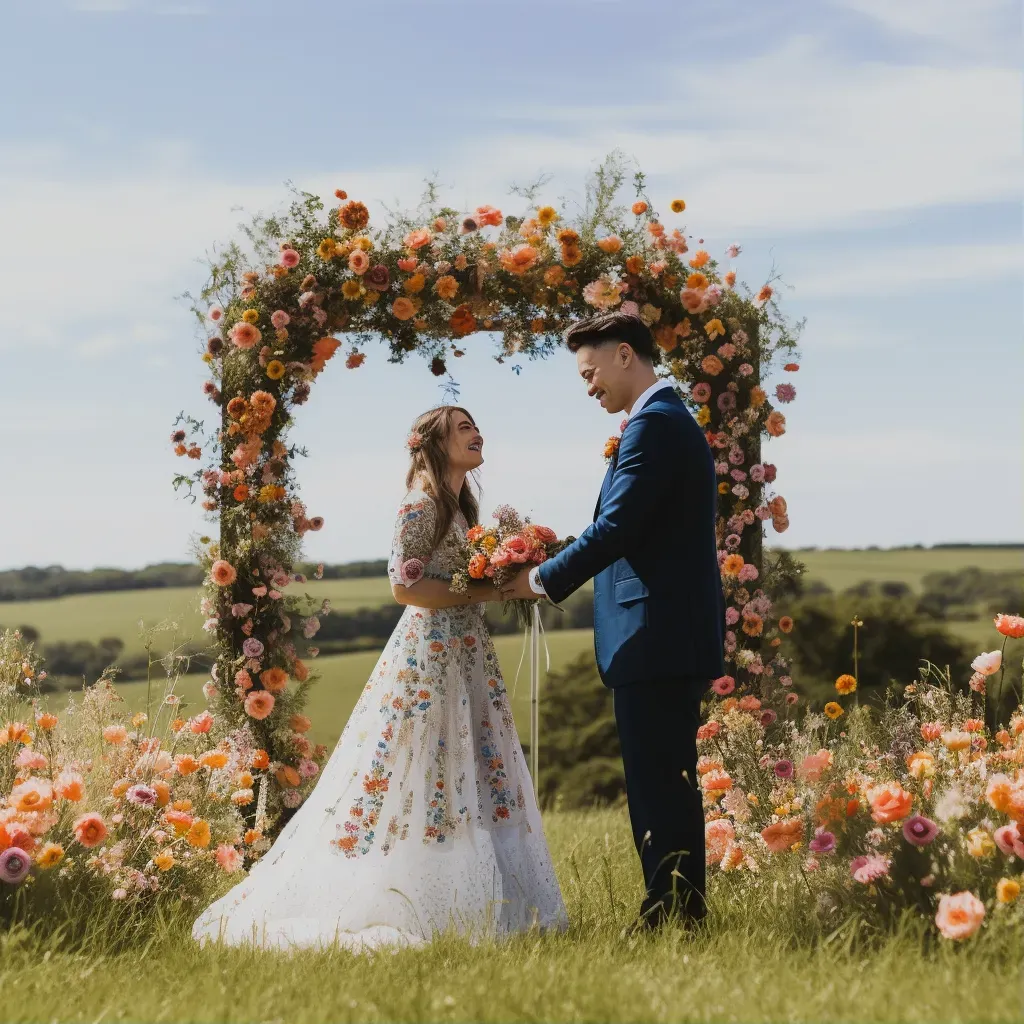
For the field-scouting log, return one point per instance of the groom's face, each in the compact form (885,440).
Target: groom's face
(605,368)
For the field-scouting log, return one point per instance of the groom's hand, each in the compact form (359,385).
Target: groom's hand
(518,588)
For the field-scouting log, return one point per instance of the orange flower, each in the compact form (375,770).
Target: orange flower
(889,802)
(275,369)
(732,564)
(46,721)
(1008,625)
(90,830)
(711,365)
(609,244)
(765,293)
(300,671)
(50,855)
(402,308)
(287,777)
(164,860)
(639,207)
(786,624)
(697,280)
(571,255)
(446,287)
(477,564)
(274,679)
(634,264)
(163,792)
(554,276)
(959,915)
(700,259)
(518,260)
(252,835)
(300,723)
(757,397)
(198,834)
(259,704)
(775,424)
(677,205)
(752,625)
(417,238)
(462,321)
(846,684)
(323,350)
(730,278)
(223,573)
(185,764)
(240,493)
(413,285)
(213,759)
(260,760)
(782,835)
(488,215)
(354,216)
(69,786)
(31,795)
(566,236)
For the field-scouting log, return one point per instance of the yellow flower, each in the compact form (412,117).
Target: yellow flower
(704,417)
(370,297)
(1007,890)
(715,328)
(757,397)
(52,854)
(275,369)
(547,215)
(833,710)
(138,718)
(921,764)
(327,249)
(489,543)
(250,316)
(351,289)
(363,242)
(207,358)
(980,843)
(723,488)
(164,860)
(268,493)
(846,684)
(677,205)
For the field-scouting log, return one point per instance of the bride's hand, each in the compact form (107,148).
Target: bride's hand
(484,591)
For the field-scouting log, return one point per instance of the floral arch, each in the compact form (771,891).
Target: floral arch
(272,314)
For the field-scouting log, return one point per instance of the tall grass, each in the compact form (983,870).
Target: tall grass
(763,962)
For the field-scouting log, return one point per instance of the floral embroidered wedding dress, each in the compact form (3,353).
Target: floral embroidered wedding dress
(424,816)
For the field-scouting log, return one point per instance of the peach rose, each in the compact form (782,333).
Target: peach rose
(274,679)
(959,915)
(228,858)
(889,802)
(403,308)
(775,424)
(358,262)
(717,836)
(259,704)
(477,565)
(610,244)
(244,335)
(518,260)
(222,573)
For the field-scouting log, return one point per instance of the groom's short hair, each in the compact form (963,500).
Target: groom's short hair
(614,328)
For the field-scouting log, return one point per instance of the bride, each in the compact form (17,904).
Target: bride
(424,817)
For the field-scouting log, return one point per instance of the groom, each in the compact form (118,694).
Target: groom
(658,605)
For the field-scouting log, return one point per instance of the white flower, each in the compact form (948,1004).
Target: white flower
(987,663)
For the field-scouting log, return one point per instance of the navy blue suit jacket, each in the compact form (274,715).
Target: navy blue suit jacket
(659,612)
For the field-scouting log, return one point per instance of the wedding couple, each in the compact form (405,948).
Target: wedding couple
(424,817)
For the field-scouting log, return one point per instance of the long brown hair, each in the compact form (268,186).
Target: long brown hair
(429,463)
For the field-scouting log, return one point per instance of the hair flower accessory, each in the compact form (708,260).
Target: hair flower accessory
(414,442)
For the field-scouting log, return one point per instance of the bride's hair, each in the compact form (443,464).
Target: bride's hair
(428,445)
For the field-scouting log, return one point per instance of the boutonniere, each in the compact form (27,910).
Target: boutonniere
(611,446)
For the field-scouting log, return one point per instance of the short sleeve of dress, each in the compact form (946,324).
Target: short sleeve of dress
(414,539)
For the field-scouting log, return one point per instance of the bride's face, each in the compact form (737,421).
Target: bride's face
(465,443)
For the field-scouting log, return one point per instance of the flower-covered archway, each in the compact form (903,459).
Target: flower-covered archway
(274,315)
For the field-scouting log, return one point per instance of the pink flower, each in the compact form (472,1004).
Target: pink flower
(1009,840)
(732,616)
(785,393)
(215,313)
(701,392)
(31,759)
(228,858)
(869,868)
(823,841)
(977,682)
(289,258)
(745,369)
(757,473)
(748,572)
(280,319)
(630,307)
(291,798)
(987,663)
(260,591)
(959,916)
(239,611)
(201,723)
(143,796)
(791,698)
(733,251)
(717,836)
(311,626)
(724,685)
(308,768)
(813,766)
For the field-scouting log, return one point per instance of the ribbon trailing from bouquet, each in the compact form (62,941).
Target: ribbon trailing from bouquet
(534,636)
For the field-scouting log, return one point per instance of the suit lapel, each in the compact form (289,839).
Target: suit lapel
(604,485)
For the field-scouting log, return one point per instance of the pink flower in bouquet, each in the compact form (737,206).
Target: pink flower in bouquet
(733,251)
(222,573)
(308,768)
(410,571)
(960,915)
(289,258)
(977,682)
(757,473)
(544,534)
(499,560)
(694,300)
(260,591)
(987,664)
(228,858)
(783,768)
(517,548)
(791,698)
(244,335)
(732,616)
(869,868)
(604,293)
(239,611)
(763,512)
(708,731)
(748,572)
(488,215)
(259,704)
(32,760)
(243,680)
(252,648)
(785,393)
(724,685)
(701,392)
(717,836)
(215,313)
(823,841)
(280,319)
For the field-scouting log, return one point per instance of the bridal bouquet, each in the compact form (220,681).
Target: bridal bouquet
(499,552)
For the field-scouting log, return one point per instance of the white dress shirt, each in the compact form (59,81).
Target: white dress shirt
(535,584)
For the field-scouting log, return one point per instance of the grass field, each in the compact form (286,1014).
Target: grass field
(343,676)
(92,616)
(755,963)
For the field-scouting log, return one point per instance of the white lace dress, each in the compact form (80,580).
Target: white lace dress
(424,817)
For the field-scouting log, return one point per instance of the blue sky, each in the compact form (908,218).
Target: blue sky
(871,151)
